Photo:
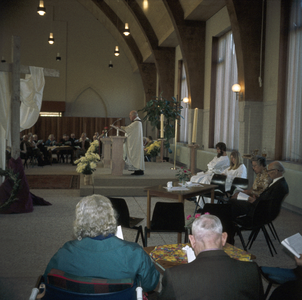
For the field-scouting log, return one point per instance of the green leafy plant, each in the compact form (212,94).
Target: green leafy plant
(183,174)
(171,109)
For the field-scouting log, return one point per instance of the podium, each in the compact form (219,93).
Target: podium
(106,141)
(113,153)
(117,162)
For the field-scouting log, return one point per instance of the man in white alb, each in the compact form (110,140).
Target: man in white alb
(133,147)
(216,166)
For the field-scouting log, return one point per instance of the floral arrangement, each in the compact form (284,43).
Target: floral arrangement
(183,175)
(87,164)
(94,147)
(191,219)
(153,149)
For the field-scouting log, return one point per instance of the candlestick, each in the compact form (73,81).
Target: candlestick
(161,126)
(194,134)
(174,168)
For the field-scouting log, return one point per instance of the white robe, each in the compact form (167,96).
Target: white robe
(216,166)
(240,172)
(133,147)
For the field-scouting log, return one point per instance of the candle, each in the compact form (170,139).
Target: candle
(175,132)
(195,121)
(161,126)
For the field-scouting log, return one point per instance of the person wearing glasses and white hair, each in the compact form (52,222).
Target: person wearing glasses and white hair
(235,208)
(97,252)
(276,191)
(213,274)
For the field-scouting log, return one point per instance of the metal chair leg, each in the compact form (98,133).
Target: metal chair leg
(146,236)
(273,231)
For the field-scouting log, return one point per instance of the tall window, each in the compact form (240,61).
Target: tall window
(226,106)
(292,147)
(184,93)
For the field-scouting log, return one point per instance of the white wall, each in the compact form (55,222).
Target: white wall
(86,48)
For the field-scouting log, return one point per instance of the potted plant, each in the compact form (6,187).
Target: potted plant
(171,109)
(87,164)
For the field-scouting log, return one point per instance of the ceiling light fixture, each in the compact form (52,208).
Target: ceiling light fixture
(58,57)
(126,31)
(51,40)
(3,59)
(116,51)
(110,64)
(145,4)
(41,9)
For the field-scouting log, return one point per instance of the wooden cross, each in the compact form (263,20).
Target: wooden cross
(16,70)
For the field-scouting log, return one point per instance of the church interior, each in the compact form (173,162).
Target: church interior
(192,50)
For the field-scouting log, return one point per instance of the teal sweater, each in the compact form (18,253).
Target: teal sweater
(111,258)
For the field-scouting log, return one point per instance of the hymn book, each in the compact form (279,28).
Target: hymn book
(293,244)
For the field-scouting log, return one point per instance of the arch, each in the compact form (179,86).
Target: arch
(89,103)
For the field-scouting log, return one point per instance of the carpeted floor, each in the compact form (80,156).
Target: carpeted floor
(53,181)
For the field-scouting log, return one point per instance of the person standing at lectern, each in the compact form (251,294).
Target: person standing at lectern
(133,146)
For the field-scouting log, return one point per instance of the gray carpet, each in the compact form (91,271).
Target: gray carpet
(28,241)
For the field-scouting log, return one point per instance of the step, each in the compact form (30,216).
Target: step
(113,191)
(131,181)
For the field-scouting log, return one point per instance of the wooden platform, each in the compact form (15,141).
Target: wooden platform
(128,185)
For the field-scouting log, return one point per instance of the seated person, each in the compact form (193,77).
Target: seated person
(72,138)
(216,166)
(291,289)
(27,148)
(97,252)
(236,169)
(84,144)
(262,179)
(149,141)
(49,143)
(51,140)
(213,274)
(228,213)
(38,143)
(65,141)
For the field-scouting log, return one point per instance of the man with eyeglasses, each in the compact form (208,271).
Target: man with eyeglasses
(275,192)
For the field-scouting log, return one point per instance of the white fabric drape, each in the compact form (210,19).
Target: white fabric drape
(5,138)
(183,135)
(31,94)
(292,147)
(226,107)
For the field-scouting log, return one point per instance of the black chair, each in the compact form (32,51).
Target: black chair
(238,182)
(217,179)
(167,217)
(124,219)
(265,213)
(241,183)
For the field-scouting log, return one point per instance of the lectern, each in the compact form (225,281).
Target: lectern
(117,162)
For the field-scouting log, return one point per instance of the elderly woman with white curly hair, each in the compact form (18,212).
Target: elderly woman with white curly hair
(97,252)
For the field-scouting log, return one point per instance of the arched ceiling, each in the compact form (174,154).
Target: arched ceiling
(149,21)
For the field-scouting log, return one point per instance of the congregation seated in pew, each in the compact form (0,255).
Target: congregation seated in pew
(28,149)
